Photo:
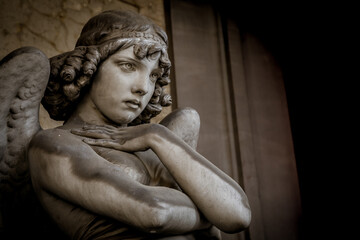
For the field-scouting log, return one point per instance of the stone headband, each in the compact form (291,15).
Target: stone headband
(141,35)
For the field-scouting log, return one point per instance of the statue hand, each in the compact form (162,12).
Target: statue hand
(130,139)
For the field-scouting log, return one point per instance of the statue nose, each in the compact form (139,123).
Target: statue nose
(141,92)
(140,86)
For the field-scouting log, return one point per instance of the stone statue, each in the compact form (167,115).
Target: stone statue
(108,173)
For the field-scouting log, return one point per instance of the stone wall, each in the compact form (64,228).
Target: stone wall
(54,26)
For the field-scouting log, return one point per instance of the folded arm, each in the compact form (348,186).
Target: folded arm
(71,170)
(218,196)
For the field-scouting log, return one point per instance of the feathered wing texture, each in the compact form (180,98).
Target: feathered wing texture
(24,74)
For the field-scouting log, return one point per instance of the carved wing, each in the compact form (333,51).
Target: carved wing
(23,77)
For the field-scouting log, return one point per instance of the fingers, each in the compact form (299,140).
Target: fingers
(91,133)
(97,131)
(100,127)
(127,139)
(108,143)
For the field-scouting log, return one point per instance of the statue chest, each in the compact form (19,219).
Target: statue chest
(128,162)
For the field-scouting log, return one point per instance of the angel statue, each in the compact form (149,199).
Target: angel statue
(108,172)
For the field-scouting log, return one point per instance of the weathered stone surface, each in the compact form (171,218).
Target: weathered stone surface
(54,26)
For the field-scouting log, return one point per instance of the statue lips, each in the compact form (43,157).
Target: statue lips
(133,103)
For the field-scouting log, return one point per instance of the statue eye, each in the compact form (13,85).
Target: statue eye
(127,67)
(155,75)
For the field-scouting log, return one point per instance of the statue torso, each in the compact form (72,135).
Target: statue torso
(143,167)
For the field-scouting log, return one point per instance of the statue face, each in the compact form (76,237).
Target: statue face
(124,85)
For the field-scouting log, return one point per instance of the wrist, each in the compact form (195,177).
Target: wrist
(157,135)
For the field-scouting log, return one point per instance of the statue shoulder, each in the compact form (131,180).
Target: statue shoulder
(51,152)
(58,141)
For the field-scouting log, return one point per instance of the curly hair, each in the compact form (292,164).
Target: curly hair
(103,35)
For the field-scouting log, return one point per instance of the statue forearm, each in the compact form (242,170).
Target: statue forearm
(219,198)
(104,189)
